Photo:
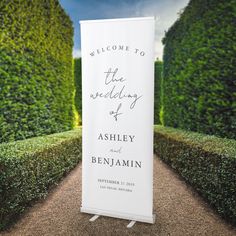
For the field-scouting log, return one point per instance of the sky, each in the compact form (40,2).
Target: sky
(165,11)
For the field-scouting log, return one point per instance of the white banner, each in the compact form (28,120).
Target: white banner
(117,101)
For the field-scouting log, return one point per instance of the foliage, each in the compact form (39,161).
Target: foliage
(157,95)
(199,69)
(29,167)
(35,69)
(208,163)
(78,86)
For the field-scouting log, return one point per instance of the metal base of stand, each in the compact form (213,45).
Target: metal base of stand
(131,224)
(138,218)
(94,218)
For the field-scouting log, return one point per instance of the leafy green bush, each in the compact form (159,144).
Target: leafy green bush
(199,69)
(29,167)
(36,86)
(208,163)
(158,91)
(78,86)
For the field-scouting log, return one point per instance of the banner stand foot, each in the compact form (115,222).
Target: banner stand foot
(94,218)
(131,224)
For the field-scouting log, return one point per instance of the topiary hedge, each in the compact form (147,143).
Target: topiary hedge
(199,69)
(158,91)
(36,85)
(208,163)
(78,86)
(29,167)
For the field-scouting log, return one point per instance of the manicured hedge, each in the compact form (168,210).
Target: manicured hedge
(78,86)
(199,69)
(158,91)
(29,167)
(36,85)
(208,163)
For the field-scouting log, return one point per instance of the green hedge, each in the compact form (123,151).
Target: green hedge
(36,85)
(208,163)
(199,69)
(78,86)
(158,91)
(29,167)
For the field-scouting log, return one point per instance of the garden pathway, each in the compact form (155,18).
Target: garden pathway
(180,212)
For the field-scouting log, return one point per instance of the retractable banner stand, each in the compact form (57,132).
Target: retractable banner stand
(117,100)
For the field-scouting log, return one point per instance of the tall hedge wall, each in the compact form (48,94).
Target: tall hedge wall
(78,86)
(199,69)
(36,85)
(158,91)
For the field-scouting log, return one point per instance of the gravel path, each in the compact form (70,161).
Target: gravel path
(180,212)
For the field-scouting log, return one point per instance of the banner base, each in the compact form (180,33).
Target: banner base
(145,219)
(131,224)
